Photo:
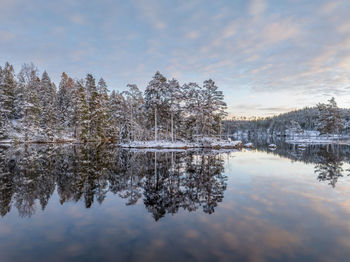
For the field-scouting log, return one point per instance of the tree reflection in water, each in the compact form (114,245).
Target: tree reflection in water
(328,159)
(167,181)
(330,165)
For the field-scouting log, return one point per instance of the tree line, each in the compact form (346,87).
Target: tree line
(32,108)
(326,118)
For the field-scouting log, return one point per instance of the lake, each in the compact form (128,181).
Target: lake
(102,203)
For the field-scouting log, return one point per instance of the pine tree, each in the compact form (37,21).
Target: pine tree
(329,119)
(174,97)
(82,110)
(29,82)
(193,114)
(154,101)
(295,127)
(132,104)
(214,108)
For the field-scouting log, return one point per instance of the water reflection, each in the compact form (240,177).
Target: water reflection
(166,181)
(328,160)
(330,166)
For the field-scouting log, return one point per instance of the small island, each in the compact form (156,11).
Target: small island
(166,115)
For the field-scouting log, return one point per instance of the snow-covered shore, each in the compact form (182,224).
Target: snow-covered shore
(315,138)
(162,144)
(318,141)
(185,145)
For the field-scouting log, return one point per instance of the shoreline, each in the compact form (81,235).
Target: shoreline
(150,144)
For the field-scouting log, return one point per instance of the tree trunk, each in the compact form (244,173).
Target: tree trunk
(172,127)
(26,121)
(155,125)
(155,168)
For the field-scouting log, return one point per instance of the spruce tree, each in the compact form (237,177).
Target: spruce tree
(81,111)
(95,113)
(8,85)
(65,104)
(117,114)
(3,118)
(47,98)
(106,129)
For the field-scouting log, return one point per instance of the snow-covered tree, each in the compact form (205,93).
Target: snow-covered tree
(29,100)
(134,112)
(104,111)
(31,108)
(117,116)
(154,101)
(329,119)
(47,100)
(214,108)
(95,110)
(174,97)
(65,103)
(192,113)
(295,128)
(7,86)
(81,113)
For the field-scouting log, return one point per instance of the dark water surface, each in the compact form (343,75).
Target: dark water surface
(100,203)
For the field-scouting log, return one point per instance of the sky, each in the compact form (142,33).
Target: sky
(268,57)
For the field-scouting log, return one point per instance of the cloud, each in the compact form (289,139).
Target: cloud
(77,19)
(150,11)
(230,30)
(6,36)
(58,31)
(344,27)
(193,35)
(280,31)
(8,4)
(257,7)
(344,63)
(329,7)
(247,48)
(259,107)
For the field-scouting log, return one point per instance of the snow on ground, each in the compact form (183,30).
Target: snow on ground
(5,141)
(318,139)
(205,143)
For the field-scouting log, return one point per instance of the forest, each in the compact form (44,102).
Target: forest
(33,109)
(324,118)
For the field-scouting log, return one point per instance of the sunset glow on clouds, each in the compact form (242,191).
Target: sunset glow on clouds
(268,56)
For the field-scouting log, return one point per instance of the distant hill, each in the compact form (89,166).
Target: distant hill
(306,118)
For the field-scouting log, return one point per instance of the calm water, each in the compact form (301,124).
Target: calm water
(89,203)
